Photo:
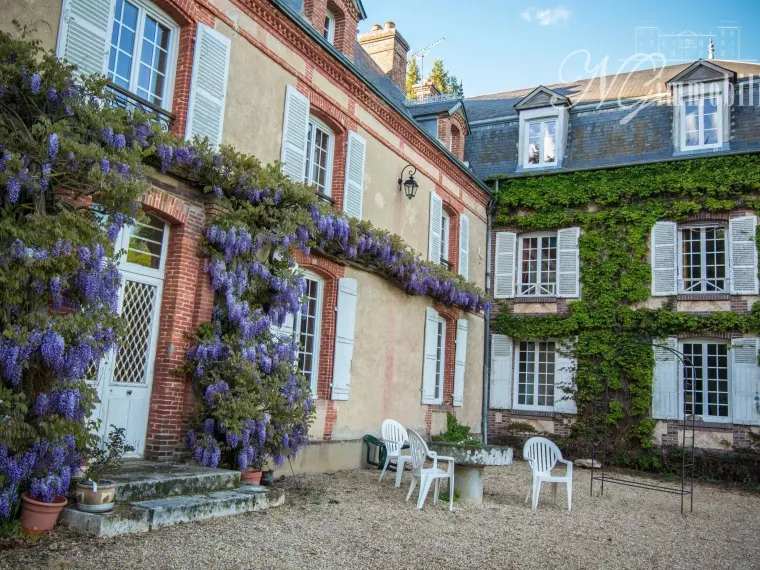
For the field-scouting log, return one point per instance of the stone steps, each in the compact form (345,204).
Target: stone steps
(150,496)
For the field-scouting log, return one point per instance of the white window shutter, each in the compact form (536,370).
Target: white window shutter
(208,86)
(431,357)
(665,385)
(568,270)
(743,259)
(504,270)
(354,190)
(459,361)
(464,246)
(501,372)
(744,377)
(564,378)
(345,326)
(664,259)
(436,212)
(84,34)
(295,131)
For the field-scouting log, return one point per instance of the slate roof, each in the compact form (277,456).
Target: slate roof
(597,89)
(377,76)
(434,108)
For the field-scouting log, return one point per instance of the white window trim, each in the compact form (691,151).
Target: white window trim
(171,64)
(541,162)
(330,153)
(439,387)
(682,400)
(516,377)
(701,117)
(445,237)
(317,329)
(330,28)
(685,91)
(123,244)
(519,270)
(559,114)
(679,257)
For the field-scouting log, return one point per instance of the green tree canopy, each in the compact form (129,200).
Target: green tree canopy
(413,77)
(446,84)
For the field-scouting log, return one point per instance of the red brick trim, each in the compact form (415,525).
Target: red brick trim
(170,208)
(725,335)
(331,415)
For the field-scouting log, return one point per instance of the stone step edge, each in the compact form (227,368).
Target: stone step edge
(176,486)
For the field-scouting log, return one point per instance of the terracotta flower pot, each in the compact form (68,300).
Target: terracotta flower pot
(91,500)
(38,517)
(251,477)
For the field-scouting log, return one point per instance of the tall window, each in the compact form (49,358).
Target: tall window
(440,357)
(143,51)
(701,123)
(309,327)
(445,236)
(319,156)
(538,265)
(703,259)
(146,244)
(535,374)
(705,383)
(542,143)
(329,31)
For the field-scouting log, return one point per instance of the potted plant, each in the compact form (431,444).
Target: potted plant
(41,504)
(95,494)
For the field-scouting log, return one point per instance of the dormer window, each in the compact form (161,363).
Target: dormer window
(329,31)
(702,122)
(542,142)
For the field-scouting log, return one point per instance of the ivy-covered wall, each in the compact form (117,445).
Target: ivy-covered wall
(616,210)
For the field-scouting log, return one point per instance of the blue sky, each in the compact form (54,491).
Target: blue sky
(498,45)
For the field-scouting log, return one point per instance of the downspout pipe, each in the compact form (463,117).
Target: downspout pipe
(487,327)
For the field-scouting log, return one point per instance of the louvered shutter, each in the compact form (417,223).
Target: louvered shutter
(459,361)
(664,259)
(436,213)
(504,270)
(501,372)
(208,86)
(354,191)
(743,249)
(431,358)
(295,129)
(464,246)
(568,274)
(744,376)
(344,338)
(84,34)
(665,396)
(564,378)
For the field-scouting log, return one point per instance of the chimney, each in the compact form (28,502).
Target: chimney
(388,48)
(424,90)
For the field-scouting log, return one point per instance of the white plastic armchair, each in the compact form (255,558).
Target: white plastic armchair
(542,455)
(394,436)
(427,475)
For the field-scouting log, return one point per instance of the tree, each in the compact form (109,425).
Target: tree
(413,77)
(446,84)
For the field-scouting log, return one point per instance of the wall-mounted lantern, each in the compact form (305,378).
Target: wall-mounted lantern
(410,186)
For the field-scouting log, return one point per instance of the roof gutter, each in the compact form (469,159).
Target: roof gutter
(311,32)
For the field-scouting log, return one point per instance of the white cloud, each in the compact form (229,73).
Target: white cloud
(545,16)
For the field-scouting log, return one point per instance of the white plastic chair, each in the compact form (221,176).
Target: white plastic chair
(394,436)
(542,455)
(426,476)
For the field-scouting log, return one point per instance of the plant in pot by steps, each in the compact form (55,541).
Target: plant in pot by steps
(95,494)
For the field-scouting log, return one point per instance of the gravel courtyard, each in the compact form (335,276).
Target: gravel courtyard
(349,520)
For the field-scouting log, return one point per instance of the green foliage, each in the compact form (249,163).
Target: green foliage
(616,210)
(456,432)
(413,77)
(444,496)
(104,458)
(521,427)
(446,84)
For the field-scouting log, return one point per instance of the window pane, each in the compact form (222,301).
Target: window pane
(550,137)
(534,142)
(307,336)
(525,393)
(529,273)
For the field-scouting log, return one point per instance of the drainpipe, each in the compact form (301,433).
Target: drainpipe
(487,328)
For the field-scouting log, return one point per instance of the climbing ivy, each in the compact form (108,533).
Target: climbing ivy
(616,210)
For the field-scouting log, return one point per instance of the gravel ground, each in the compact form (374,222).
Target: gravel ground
(349,520)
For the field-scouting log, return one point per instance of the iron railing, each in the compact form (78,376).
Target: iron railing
(129,101)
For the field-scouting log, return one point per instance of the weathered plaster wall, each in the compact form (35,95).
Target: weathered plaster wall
(41,16)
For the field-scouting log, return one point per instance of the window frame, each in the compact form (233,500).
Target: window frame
(701,94)
(147,8)
(445,239)
(518,352)
(310,148)
(542,121)
(519,262)
(329,31)
(314,380)
(704,341)
(440,370)
(122,243)
(680,257)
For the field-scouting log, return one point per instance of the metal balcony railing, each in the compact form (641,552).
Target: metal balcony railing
(129,101)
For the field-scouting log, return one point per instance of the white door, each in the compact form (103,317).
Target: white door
(126,376)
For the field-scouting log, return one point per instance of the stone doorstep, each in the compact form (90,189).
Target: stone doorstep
(144,516)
